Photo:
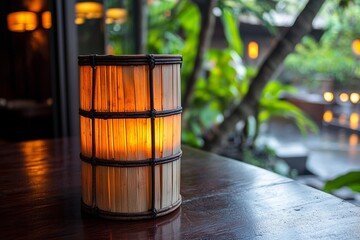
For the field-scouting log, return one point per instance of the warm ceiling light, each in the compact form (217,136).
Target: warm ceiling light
(88,10)
(117,15)
(354,98)
(356,46)
(328,96)
(46,19)
(22,21)
(253,50)
(344,97)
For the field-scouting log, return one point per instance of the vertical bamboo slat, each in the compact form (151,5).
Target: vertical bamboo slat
(120,141)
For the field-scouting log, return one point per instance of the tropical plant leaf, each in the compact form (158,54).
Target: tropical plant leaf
(257,9)
(191,139)
(271,108)
(351,180)
(231,31)
(274,89)
(271,105)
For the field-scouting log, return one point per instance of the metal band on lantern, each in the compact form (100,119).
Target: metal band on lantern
(130,132)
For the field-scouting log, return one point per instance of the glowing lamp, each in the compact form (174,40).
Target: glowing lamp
(79,20)
(356,47)
(328,116)
(328,96)
(354,97)
(88,10)
(354,120)
(46,19)
(130,130)
(344,97)
(22,21)
(117,15)
(253,50)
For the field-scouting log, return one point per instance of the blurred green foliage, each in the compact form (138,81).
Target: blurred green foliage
(350,180)
(120,35)
(332,57)
(272,105)
(174,28)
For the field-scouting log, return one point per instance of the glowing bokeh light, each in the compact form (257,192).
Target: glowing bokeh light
(354,120)
(356,47)
(328,116)
(253,50)
(354,97)
(328,96)
(22,21)
(46,19)
(344,97)
(342,119)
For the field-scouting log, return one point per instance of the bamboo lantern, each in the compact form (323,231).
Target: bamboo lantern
(130,124)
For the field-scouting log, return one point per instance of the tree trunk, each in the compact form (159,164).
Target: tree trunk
(217,137)
(206,32)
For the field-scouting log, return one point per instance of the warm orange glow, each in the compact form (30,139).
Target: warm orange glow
(328,96)
(328,116)
(88,10)
(354,120)
(34,5)
(127,89)
(38,40)
(353,140)
(22,21)
(36,156)
(79,20)
(133,136)
(344,97)
(354,98)
(342,119)
(253,50)
(109,21)
(356,46)
(46,19)
(116,15)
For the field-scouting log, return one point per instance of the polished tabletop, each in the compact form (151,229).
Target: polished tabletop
(222,199)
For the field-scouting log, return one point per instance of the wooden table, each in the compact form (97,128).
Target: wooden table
(222,199)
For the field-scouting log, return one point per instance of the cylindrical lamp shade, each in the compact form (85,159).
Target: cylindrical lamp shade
(130,123)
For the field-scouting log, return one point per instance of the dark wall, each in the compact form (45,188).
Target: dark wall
(26,110)
(24,58)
